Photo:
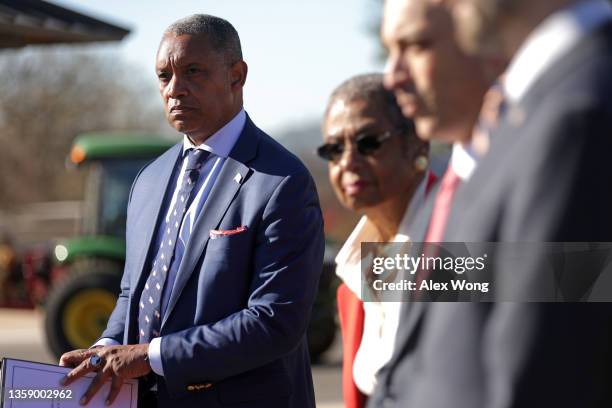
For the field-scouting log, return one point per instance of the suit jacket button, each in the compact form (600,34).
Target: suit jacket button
(199,387)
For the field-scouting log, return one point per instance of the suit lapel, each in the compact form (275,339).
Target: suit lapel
(411,311)
(418,230)
(411,316)
(152,186)
(159,174)
(221,196)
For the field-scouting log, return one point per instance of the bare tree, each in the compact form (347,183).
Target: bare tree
(47,96)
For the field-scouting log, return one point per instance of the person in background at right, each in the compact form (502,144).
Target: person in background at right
(442,88)
(545,178)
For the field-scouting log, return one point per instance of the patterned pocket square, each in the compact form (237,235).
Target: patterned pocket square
(223,233)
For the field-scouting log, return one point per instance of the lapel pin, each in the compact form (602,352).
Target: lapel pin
(238,178)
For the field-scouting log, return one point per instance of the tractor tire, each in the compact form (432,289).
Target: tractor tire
(322,328)
(78,308)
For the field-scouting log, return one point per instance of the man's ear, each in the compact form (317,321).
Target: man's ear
(238,74)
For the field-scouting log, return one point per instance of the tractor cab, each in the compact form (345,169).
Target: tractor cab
(112,161)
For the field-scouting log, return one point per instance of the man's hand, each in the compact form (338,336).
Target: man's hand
(118,364)
(75,357)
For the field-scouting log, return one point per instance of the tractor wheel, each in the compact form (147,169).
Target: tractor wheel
(321,331)
(78,308)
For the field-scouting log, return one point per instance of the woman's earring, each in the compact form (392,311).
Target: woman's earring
(421,163)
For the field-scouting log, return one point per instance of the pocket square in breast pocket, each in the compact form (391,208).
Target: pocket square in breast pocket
(225,233)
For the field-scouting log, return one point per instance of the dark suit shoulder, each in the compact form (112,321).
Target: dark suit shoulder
(170,156)
(273,158)
(588,87)
(580,78)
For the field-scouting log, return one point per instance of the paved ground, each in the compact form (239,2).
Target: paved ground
(21,336)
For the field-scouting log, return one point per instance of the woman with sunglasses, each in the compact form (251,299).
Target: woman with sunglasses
(378,168)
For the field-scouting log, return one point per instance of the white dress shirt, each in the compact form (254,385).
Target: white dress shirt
(463,161)
(220,144)
(548,43)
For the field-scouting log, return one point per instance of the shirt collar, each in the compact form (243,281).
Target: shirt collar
(348,260)
(555,36)
(463,161)
(223,140)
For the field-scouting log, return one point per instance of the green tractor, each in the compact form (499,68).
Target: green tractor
(88,268)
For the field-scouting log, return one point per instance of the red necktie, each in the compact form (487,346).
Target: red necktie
(439,218)
(442,205)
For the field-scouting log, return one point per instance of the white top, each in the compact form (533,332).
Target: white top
(550,40)
(380,318)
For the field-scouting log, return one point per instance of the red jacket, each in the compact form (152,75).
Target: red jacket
(350,311)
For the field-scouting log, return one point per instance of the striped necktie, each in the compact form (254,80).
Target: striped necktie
(149,312)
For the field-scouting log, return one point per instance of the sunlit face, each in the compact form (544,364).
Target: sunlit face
(434,81)
(200,89)
(365,181)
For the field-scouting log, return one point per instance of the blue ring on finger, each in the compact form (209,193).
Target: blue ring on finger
(96,361)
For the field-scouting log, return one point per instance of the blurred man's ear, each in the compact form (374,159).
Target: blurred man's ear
(238,74)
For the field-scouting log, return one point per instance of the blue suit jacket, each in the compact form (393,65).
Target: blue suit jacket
(234,330)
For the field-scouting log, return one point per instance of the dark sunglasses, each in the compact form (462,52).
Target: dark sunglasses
(366,145)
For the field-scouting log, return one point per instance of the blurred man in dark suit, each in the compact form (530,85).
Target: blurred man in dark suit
(442,88)
(542,180)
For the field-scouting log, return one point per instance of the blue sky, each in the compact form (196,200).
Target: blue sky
(297,51)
